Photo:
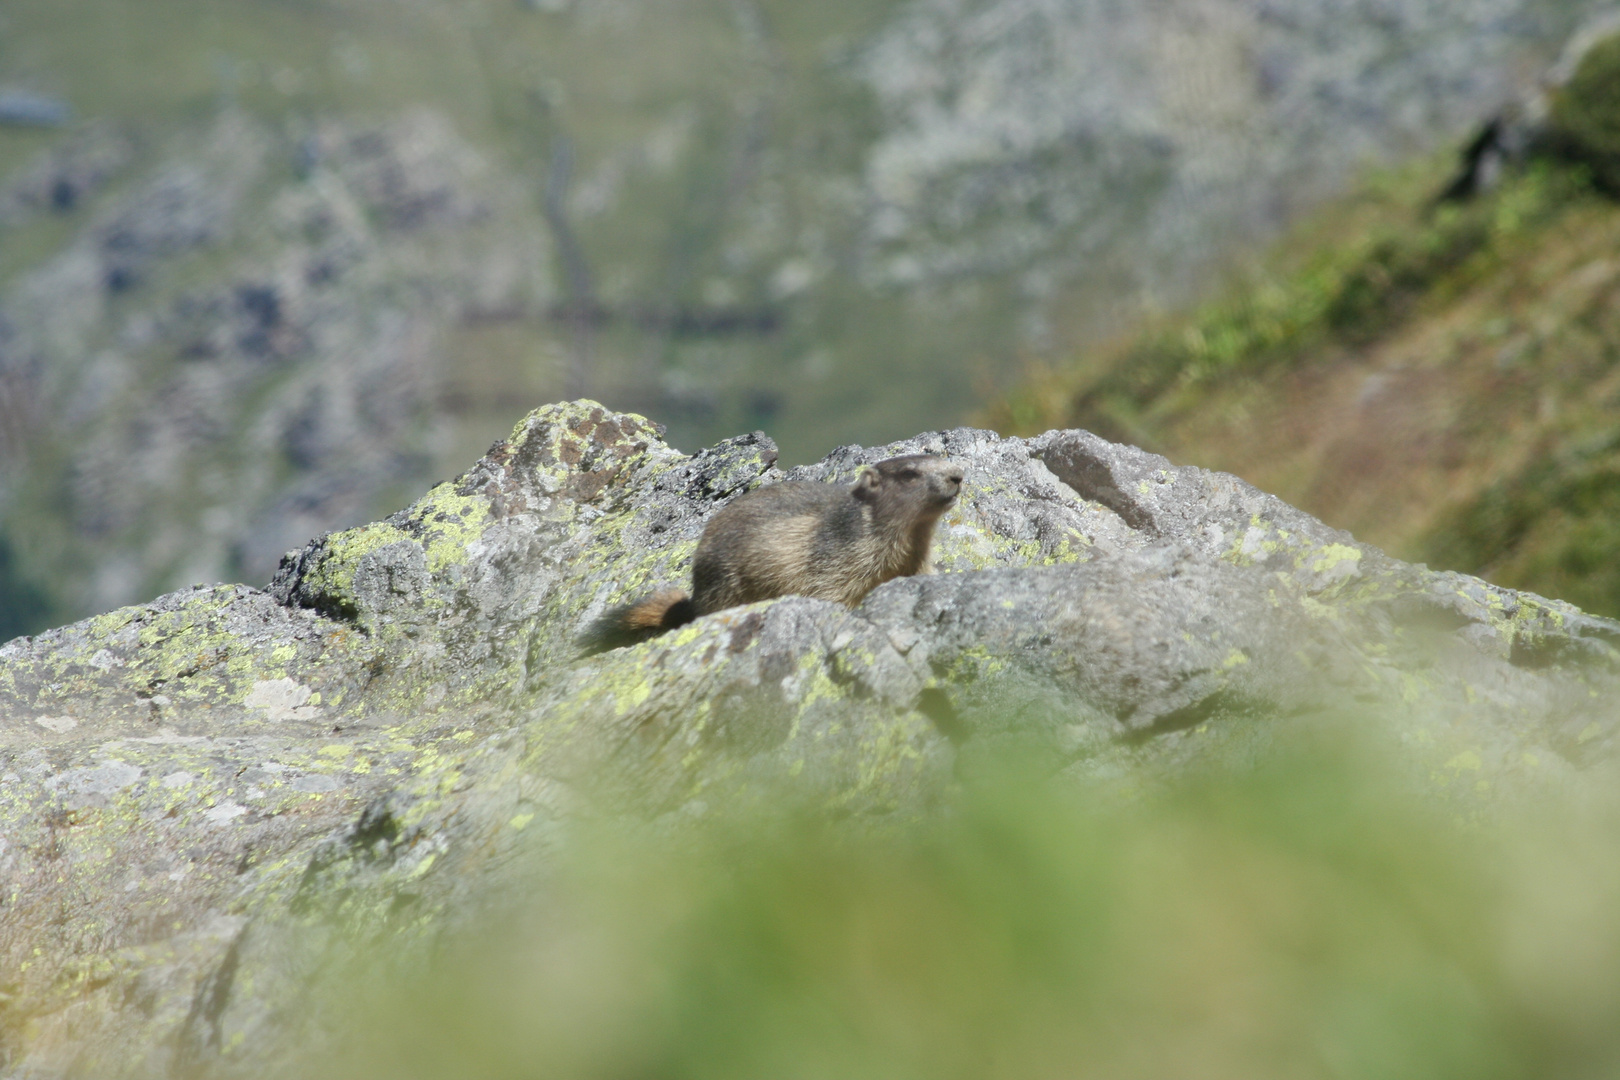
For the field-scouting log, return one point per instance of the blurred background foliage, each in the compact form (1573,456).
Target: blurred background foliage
(1306,918)
(271,267)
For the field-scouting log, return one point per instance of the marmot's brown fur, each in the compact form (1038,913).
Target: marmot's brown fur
(802,538)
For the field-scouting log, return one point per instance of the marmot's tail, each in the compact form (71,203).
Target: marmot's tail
(629,623)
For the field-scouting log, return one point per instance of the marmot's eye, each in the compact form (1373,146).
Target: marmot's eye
(909,474)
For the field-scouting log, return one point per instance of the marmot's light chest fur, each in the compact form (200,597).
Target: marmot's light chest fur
(802,538)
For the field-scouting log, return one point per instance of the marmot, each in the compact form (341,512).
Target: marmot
(803,538)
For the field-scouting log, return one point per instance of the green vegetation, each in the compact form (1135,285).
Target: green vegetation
(1585,117)
(1441,378)
(1394,256)
(1300,920)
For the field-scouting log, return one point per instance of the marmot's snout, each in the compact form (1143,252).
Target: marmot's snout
(946,484)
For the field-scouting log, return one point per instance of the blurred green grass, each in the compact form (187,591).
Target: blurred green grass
(1303,919)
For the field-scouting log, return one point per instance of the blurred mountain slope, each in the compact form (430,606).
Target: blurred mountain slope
(1440,379)
(296,257)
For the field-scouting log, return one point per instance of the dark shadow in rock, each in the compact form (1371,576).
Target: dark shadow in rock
(935,704)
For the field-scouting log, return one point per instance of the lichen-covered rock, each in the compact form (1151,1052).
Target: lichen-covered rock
(209,802)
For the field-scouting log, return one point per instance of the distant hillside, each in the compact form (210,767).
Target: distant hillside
(1441,379)
(287,261)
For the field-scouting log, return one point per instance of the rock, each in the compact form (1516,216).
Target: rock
(209,801)
(64,178)
(25,109)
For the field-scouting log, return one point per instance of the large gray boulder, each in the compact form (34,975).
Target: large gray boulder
(209,801)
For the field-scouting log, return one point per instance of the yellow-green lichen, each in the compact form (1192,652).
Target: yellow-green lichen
(449,522)
(1325,559)
(333,573)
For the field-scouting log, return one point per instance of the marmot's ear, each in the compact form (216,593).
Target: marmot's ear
(866,484)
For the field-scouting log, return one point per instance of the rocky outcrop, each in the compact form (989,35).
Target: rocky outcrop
(207,802)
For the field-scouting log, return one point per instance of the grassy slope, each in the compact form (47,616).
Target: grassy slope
(1441,381)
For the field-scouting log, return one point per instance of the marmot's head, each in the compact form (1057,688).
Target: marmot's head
(917,487)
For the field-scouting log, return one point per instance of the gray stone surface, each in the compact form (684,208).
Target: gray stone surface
(210,803)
